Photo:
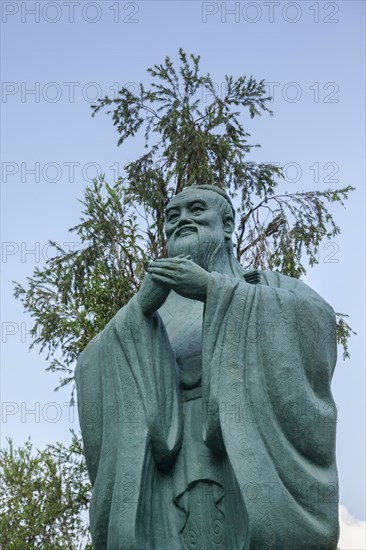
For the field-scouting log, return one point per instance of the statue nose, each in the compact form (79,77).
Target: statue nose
(184,220)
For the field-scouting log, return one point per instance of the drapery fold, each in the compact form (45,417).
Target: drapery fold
(269,351)
(268,355)
(129,408)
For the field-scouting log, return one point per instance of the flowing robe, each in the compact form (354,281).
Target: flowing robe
(266,417)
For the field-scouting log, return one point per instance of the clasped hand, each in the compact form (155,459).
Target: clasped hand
(182,275)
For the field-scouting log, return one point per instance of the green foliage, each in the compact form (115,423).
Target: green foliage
(198,142)
(187,141)
(344,331)
(42,497)
(79,291)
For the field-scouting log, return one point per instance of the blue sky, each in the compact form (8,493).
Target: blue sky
(311,54)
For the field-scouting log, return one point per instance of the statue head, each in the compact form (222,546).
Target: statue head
(200,222)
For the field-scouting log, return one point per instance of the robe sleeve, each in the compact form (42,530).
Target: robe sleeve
(129,410)
(269,352)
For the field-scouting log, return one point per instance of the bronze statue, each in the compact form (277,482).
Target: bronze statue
(205,404)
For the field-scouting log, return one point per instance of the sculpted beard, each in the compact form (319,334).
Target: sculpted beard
(205,246)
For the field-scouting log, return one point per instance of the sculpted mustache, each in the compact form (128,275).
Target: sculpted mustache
(178,231)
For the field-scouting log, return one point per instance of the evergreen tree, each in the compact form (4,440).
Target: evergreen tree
(71,299)
(187,142)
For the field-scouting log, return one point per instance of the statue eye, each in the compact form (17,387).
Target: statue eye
(197,209)
(171,218)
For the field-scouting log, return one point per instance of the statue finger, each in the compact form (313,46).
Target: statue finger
(161,270)
(168,263)
(162,262)
(176,259)
(163,279)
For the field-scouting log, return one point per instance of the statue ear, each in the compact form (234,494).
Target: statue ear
(228,226)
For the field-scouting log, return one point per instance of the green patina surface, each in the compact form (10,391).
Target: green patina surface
(205,404)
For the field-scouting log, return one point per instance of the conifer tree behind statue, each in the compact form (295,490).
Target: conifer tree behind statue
(201,148)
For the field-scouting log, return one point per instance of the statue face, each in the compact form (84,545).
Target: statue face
(194,225)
